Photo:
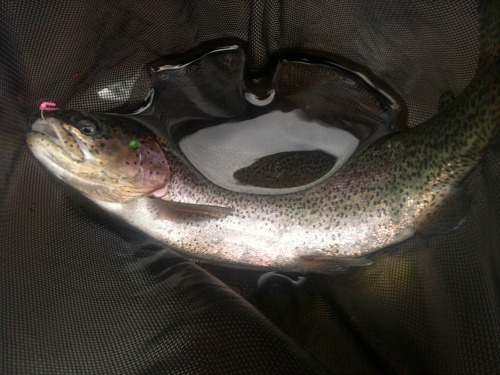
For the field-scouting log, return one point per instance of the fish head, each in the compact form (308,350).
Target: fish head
(107,157)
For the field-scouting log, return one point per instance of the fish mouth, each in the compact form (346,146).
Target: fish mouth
(55,132)
(47,129)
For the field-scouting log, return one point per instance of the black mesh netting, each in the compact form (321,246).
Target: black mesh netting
(81,293)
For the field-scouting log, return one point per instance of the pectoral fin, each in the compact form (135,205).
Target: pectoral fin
(327,263)
(182,210)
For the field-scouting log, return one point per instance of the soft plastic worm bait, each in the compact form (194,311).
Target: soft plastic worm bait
(47,106)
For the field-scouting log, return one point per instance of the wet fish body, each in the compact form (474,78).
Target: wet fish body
(402,184)
(397,187)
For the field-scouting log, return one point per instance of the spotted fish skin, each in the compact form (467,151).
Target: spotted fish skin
(382,197)
(286,169)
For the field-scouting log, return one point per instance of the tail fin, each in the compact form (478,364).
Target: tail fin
(489,44)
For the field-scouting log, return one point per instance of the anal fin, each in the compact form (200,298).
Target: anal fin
(328,263)
(446,216)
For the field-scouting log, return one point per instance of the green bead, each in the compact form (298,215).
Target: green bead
(133,144)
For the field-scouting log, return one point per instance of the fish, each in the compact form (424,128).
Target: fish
(402,184)
(286,169)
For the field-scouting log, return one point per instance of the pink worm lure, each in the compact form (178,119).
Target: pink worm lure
(47,106)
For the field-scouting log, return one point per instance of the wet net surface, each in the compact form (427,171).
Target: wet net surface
(82,293)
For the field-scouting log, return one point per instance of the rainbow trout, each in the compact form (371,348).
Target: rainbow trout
(401,184)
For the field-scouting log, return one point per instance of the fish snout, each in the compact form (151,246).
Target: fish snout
(60,136)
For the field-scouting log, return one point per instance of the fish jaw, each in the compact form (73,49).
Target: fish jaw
(48,150)
(54,147)
(51,131)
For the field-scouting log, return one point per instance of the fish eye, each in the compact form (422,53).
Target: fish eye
(86,127)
